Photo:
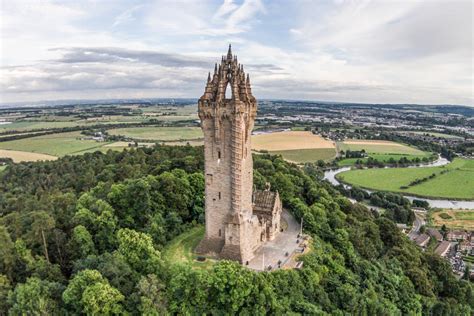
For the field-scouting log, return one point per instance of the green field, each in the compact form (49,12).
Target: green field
(457,183)
(159,133)
(436,134)
(60,144)
(306,155)
(180,249)
(29,125)
(381,157)
(379,147)
(379,150)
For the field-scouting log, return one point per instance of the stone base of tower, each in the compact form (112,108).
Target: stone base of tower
(232,252)
(210,246)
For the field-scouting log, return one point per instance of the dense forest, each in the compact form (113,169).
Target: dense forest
(84,234)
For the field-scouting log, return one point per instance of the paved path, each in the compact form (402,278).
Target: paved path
(275,250)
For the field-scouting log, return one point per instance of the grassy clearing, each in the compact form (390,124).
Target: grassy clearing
(306,155)
(379,147)
(180,249)
(456,183)
(60,144)
(292,140)
(454,219)
(159,133)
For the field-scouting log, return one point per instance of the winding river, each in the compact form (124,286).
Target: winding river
(330,175)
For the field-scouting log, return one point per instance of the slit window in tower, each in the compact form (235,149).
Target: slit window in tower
(219,195)
(219,154)
(220,232)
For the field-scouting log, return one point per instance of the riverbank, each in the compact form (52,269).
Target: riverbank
(332,177)
(454,181)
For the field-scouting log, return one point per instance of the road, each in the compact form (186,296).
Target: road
(273,251)
(419,221)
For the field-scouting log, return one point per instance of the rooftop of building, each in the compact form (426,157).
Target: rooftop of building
(435,233)
(422,239)
(442,247)
(264,200)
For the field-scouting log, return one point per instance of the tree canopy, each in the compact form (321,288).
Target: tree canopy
(84,234)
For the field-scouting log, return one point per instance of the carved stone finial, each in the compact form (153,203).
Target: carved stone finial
(267,186)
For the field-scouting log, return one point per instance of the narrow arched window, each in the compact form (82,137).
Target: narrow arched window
(228,91)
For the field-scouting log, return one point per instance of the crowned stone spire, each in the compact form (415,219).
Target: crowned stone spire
(229,52)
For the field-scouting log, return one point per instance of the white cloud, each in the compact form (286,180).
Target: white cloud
(346,50)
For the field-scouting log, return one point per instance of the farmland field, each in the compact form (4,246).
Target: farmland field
(382,158)
(454,219)
(442,135)
(289,141)
(379,147)
(60,144)
(306,155)
(159,133)
(380,150)
(29,125)
(295,146)
(19,156)
(455,181)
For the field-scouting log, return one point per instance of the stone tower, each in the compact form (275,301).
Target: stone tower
(227,111)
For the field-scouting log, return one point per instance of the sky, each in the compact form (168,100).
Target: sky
(380,51)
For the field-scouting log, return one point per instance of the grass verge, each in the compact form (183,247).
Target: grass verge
(180,249)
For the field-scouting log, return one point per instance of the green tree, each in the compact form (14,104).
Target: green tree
(72,296)
(138,251)
(152,295)
(81,244)
(230,286)
(35,297)
(102,299)
(7,253)
(5,287)
(42,225)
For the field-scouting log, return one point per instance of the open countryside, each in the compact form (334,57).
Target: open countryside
(58,145)
(295,146)
(453,181)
